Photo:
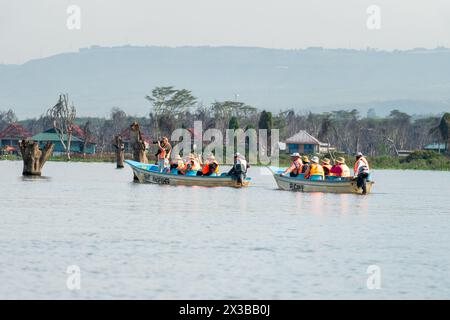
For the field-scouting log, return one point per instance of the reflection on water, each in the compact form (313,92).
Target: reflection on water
(146,241)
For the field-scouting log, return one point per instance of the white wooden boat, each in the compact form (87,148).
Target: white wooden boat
(331,185)
(149,173)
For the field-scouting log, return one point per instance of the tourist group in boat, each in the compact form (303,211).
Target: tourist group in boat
(297,176)
(193,165)
(314,169)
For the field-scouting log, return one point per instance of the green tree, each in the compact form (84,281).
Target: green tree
(444,129)
(265,121)
(233,123)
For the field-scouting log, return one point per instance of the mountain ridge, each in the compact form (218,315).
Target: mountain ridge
(315,79)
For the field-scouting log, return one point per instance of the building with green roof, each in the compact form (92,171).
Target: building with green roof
(76,146)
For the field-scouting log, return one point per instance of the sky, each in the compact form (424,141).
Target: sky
(33,29)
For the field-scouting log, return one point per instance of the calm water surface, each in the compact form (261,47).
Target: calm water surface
(163,242)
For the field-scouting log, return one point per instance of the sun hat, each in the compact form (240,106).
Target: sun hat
(295,154)
(340,160)
(305,159)
(359,154)
(211,157)
(315,159)
(326,160)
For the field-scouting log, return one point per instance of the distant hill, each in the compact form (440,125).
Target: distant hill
(97,78)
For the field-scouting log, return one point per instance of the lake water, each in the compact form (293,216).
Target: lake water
(162,242)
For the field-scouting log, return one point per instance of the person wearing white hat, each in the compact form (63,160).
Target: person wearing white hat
(361,171)
(315,169)
(296,166)
(239,169)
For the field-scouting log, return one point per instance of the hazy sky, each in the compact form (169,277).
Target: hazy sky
(37,28)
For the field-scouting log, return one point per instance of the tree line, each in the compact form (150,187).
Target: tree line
(171,108)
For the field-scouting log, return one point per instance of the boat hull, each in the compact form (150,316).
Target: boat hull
(302,185)
(145,175)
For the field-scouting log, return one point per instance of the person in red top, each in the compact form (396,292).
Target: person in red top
(296,167)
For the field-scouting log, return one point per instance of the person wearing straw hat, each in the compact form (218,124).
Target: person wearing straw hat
(176,165)
(326,165)
(315,169)
(340,169)
(306,163)
(210,167)
(192,165)
(296,166)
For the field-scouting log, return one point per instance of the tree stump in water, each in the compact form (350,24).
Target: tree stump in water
(137,144)
(120,151)
(34,158)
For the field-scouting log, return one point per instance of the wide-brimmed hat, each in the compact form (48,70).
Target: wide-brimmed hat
(340,160)
(315,159)
(237,154)
(326,160)
(211,157)
(305,158)
(359,154)
(295,155)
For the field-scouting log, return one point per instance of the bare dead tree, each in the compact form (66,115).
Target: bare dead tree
(62,115)
(34,158)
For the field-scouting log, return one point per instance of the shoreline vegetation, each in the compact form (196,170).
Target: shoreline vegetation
(419,160)
(395,141)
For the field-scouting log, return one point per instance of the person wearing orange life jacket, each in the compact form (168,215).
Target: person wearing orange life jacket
(306,164)
(163,154)
(361,171)
(177,165)
(210,167)
(340,169)
(326,165)
(296,167)
(315,169)
(191,165)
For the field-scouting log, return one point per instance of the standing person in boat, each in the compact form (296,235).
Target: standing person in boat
(296,166)
(340,169)
(210,167)
(239,169)
(163,154)
(361,171)
(306,164)
(315,169)
(177,165)
(326,165)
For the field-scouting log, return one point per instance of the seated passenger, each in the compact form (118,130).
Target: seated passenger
(326,165)
(177,165)
(296,167)
(315,169)
(306,163)
(211,166)
(340,169)
(191,165)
